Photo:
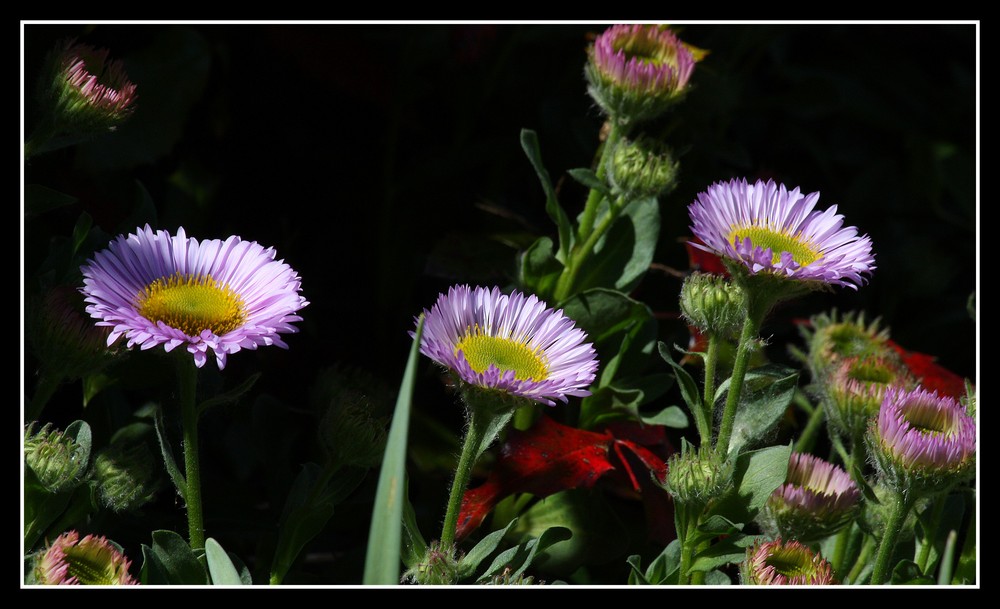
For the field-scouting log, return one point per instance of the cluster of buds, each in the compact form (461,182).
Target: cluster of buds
(91,561)
(778,563)
(636,72)
(817,500)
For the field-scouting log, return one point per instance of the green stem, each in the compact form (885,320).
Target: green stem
(698,577)
(187,376)
(705,421)
(687,553)
(751,325)
(473,438)
(807,440)
(856,467)
(900,507)
(579,255)
(594,197)
(863,556)
(685,523)
(47,385)
(839,548)
(937,512)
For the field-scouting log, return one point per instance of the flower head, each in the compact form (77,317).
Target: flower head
(88,91)
(766,228)
(818,499)
(777,563)
(636,71)
(91,561)
(158,289)
(922,441)
(513,344)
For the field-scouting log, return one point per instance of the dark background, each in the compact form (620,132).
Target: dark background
(383,164)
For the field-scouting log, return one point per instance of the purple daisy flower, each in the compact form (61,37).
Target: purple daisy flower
(777,563)
(514,344)
(818,499)
(767,228)
(158,289)
(923,439)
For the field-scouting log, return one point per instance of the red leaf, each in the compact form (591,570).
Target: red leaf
(932,376)
(551,457)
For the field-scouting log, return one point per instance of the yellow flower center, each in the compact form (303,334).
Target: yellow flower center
(760,236)
(482,351)
(647,49)
(192,304)
(931,421)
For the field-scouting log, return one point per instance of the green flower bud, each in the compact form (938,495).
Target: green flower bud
(643,167)
(713,304)
(698,476)
(58,459)
(832,339)
(354,405)
(128,475)
(439,567)
(853,392)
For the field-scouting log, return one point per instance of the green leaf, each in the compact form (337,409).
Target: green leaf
(948,560)
(219,566)
(623,254)
(717,578)
(671,416)
(81,229)
(539,271)
(965,572)
(529,142)
(767,393)
(664,568)
(94,384)
(231,396)
(180,483)
(623,330)
(755,476)
(41,508)
(952,513)
(386,531)
(636,576)
(79,432)
(40,199)
(732,549)
(589,179)
(310,505)
(519,558)
(470,562)
(171,561)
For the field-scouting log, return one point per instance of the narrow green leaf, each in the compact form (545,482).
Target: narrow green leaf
(39,199)
(948,560)
(529,142)
(81,230)
(231,396)
(414,547)
(965,572)
(180,565)
(180,483)
(636,576)
(689,388)
(219,566)
(385,534)
(470,562)
(589,179)
(519,558)
(664,568)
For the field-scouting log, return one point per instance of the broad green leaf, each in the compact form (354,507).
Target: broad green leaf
(470,562)
(664,568)
(623,330)
(717,578)
(529,142)
(636,576)
(756,474)
(906,572)
(732,549)
(765,398)
(519,558)
(539,270)
(385,534)
(623,254)
(170,560)
(219,566)
(79,432)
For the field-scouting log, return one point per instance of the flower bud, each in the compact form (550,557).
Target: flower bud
(698,476)
(439,567)
(352,427)
(91,561)
(127,474)
(56,458)
(642,167)
(636,72)
(713,304)
(777,563)
(853,393)
(817,500)
(832,338)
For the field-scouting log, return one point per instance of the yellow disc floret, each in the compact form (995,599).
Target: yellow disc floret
(483,350)
(192,304)
(760,236)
